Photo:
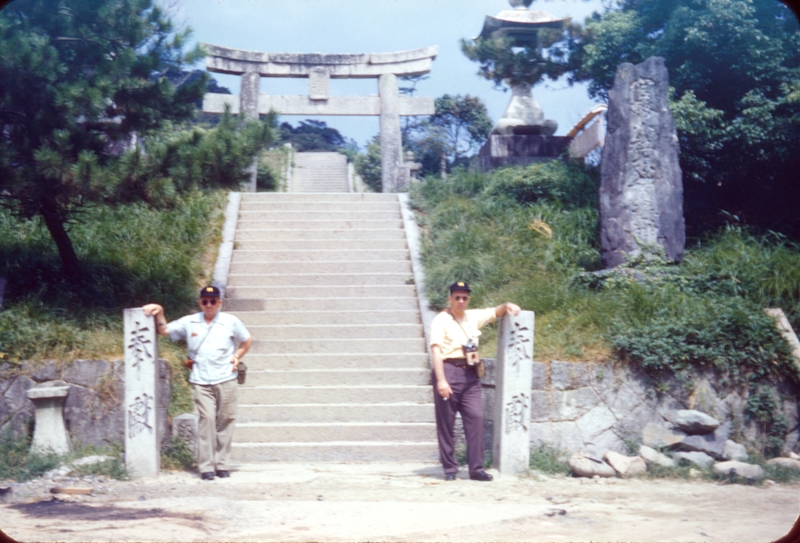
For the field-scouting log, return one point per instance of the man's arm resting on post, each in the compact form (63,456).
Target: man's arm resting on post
(161,321)
(507,308)
(442,386)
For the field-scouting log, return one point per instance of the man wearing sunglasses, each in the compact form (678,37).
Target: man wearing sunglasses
(211,338)
(457,387)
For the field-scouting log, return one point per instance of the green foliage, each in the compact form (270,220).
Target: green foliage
(548,460)
(123,265)
(368,165)
(177,455)
(311,135)
(734,66)
(18,464)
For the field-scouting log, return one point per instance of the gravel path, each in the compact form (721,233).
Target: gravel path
(394,502)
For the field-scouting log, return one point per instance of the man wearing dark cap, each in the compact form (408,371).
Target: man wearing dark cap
(457,388)
(212,338)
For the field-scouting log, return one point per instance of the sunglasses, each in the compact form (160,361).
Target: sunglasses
(461,298)
(208,302)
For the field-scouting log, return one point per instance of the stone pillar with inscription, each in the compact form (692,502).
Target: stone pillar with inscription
(142,444)
(641,190)
(513,377)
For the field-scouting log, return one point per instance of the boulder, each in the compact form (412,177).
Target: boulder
(742,469)
(697,458)
(652,456)
(625,465)
(694,422)
(734,451)
(790,463)
(584,465)
(641,190)
(658,436)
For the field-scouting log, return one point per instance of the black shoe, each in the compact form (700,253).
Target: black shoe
(481,476)
(449,476)
(222,473)
(207,476)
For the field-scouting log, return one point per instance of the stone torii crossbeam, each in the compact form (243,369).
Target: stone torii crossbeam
(319,69)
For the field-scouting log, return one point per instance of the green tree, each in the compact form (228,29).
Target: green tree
(735,67)
(457,129)
(80,82)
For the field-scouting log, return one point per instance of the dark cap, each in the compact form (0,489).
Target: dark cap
(460,285)
(209,292)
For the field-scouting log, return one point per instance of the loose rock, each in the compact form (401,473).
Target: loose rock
(697,458)
(583,465)
(790,463)
(625,465)
(652,456)
(734,451)
(658,436)
(742,469)
(695,422)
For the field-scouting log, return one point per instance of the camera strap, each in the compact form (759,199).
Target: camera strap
(202,341)
(459,324)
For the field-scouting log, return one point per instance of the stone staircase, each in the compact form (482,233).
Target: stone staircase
(338,369)
(319,172)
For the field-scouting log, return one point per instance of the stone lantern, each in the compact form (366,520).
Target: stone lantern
(523,134)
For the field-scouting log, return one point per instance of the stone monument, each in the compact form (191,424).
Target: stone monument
(641,192)
(49,433)
(142,432)
(389,105)
(523,134)
(513,377)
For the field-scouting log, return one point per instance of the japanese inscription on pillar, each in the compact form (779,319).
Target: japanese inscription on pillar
(142,456)
(513,377)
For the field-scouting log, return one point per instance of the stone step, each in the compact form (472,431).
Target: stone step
(246,234)
(336,331)
(390,224)
(368,394)
(330,255)
(336,346)
(336,451)
(340,377)
(328,304)
(368,361)
(327,413)
(277,318)
(360,267)
(319,245)
(317,206)
(272,432)
(330,215)
(322,292)
(288,197)
(318,279)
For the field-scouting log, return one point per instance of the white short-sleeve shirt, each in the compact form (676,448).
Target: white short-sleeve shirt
(211,346)
(450,336)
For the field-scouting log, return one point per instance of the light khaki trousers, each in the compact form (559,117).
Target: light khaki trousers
(216,405)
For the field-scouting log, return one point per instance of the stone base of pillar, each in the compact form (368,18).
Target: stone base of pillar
(521,150)
(50,434)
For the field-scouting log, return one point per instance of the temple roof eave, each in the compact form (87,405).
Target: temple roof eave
(524,23)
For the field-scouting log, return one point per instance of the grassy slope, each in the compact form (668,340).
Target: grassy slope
(528,235)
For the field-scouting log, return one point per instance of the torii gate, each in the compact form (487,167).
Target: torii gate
(319,68)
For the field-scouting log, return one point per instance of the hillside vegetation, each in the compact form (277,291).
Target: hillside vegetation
(530,235)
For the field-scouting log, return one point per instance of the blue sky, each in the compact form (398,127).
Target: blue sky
(378,26)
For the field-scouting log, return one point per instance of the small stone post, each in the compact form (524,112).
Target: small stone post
(49,434)
(391,139)
(514,374)
(248,106)
(142,454)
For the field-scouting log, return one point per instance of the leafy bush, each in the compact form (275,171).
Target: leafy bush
(548,460)
(177,455)
(18,464)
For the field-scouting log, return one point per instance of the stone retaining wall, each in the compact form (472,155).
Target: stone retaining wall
(596,407)
(93,412)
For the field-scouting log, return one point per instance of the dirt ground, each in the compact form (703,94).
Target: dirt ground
(395,502)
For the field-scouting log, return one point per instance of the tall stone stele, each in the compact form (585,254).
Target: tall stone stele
(641,192)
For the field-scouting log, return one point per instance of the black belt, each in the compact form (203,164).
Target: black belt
(458,362)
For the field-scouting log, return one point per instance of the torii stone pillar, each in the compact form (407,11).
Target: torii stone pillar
(319,69)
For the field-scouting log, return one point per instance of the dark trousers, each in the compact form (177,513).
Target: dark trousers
(465,399)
